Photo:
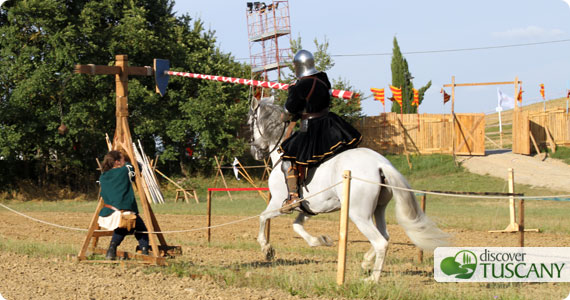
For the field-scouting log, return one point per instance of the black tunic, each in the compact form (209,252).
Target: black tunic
(326,135)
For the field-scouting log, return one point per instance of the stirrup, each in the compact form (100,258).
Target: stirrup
(292,202)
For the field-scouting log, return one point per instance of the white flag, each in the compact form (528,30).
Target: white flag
(505,101)
(235,164)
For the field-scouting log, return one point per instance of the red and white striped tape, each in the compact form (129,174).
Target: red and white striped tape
(266,84)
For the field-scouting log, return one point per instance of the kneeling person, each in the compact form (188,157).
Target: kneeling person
(119,197)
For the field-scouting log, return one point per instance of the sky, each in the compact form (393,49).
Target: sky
(365,30)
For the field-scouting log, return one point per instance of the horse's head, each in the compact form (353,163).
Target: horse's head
(265,127)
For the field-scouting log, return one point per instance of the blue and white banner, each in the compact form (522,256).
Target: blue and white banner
(502,264)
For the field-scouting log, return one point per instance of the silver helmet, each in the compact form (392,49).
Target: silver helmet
(304,63)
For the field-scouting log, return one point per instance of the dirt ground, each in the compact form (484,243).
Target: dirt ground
(532,170)
(31,277)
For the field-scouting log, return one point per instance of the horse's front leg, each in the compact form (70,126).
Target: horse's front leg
(271,211)
(322,240)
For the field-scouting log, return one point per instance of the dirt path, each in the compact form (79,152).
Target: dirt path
(532,170)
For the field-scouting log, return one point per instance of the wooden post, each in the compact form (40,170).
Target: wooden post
(343,233)
(219,164)
(516,93)
(266,171)
(512,218)
(185,191)
(423,206)
(521,223)
(453,118)
(250,180)
(209,214)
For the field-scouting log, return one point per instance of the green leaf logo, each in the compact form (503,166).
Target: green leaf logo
(463,264)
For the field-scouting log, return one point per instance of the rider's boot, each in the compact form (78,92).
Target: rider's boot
(293,201)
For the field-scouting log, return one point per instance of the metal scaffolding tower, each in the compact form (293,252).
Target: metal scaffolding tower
(269,31)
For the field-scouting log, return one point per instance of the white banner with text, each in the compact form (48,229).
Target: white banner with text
(502,264)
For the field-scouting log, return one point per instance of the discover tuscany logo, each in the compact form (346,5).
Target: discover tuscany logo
(502,264)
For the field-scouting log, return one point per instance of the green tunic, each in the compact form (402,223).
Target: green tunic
(117,191)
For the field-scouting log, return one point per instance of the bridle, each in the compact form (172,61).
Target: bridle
(255,121)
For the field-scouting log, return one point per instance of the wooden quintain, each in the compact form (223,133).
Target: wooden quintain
(122,139)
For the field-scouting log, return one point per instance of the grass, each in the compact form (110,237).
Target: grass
(562,153)
(37,249)
(399,281)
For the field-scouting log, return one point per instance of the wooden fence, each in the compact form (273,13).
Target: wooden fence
(552,125)
(392,133)
(424,133)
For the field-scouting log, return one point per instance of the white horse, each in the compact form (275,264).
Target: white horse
(368,201)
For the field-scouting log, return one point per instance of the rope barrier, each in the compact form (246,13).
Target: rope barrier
(421,192)
(41,221)
(462,195)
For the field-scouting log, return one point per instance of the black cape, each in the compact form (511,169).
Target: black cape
(326,135)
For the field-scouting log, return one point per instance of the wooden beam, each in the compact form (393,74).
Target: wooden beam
(97,70)
(534,142)
(112,70)
(143,71)
(549,139)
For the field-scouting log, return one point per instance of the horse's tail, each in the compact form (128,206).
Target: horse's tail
(423,232)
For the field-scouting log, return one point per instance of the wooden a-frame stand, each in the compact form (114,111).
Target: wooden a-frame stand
(513,226)
(123,140)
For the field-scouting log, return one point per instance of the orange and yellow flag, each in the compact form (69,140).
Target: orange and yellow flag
(542,90)
(378,94)
(519,96)
(397,93)
(446,96)
(416,101)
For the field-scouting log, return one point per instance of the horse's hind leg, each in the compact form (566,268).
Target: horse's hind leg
(368,257)
(379,244)
(322,240)
(380,218)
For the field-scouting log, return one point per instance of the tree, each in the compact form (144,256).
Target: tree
(41,42)
(349,109)
(402,78)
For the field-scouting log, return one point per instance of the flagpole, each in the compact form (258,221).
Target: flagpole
(500,126)
(402,105)
(543,97)
(453,118)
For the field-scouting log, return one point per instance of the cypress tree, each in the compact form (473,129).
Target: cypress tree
(402,78)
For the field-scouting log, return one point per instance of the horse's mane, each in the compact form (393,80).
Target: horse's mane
(270,120)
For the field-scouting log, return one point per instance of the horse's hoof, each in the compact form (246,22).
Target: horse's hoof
(371,279)
(367,265)
(269,252)
(326,240)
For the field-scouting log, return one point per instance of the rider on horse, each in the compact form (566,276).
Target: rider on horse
(322,134)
